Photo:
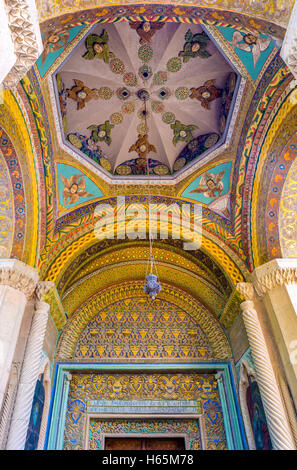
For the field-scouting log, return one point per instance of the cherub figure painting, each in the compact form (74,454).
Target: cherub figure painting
(53,41)
(146,30)
(211,185)
(74,188)
(251,42)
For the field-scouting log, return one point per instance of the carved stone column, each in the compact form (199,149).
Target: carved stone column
(29,374)
(17,285)
(276,283)
(280,433)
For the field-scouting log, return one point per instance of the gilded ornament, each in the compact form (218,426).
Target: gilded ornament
(206,93)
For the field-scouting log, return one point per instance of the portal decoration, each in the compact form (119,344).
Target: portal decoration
(133,390)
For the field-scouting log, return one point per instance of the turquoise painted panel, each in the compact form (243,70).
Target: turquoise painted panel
(74,187)
(252,49)
(211,185)
(52,56)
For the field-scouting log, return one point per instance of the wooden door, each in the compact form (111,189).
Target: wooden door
(144,443)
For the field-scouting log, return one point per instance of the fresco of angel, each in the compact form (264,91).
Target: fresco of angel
(251,42)
(53,41)
(211,185)
(74,188)
(146,30)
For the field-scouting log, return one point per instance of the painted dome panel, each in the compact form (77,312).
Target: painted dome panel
(145,91)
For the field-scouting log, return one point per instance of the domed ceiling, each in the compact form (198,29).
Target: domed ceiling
(141,97)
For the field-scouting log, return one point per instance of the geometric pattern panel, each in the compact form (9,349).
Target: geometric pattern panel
(137,328)
(142,386)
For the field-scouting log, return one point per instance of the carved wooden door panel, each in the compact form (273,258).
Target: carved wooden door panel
(144,443)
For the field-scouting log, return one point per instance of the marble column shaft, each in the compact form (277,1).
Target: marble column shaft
(28,378)
(280,433)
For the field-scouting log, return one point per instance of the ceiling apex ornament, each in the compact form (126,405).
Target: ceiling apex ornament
(102,132)
(98,48)
(82,94)
(195,46)
(142,146)
(182,133)
(146,30)
(206,93)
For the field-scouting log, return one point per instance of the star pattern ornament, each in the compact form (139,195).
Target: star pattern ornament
(82,94)
(251,42)
(53,41)
(146,30)
(74,188)
(206,93)
(142,146)
(102,132)
(182,133)
(98,48)
(210,184)
(195,46)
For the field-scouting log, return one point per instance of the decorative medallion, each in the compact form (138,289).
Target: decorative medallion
(182,93)
(145,53)
(117,66)
(105,93)
(174,64)
(130,79)
(123,93)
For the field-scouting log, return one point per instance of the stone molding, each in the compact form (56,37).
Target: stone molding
(20,276)
(273,274)
(246,290)
(25,33)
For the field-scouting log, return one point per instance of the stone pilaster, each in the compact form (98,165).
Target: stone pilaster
(28,378)
(279,429)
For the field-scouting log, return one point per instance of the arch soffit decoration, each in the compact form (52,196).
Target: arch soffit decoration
(269,227)
(13,121)
(83,315)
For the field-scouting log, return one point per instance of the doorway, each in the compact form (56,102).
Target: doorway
(144,443)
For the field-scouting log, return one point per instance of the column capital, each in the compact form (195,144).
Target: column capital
(246,289)
(273,274)
(20,276)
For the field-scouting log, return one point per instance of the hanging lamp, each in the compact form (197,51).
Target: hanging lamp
(152,286)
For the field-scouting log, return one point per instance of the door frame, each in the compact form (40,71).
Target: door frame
(233,423)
